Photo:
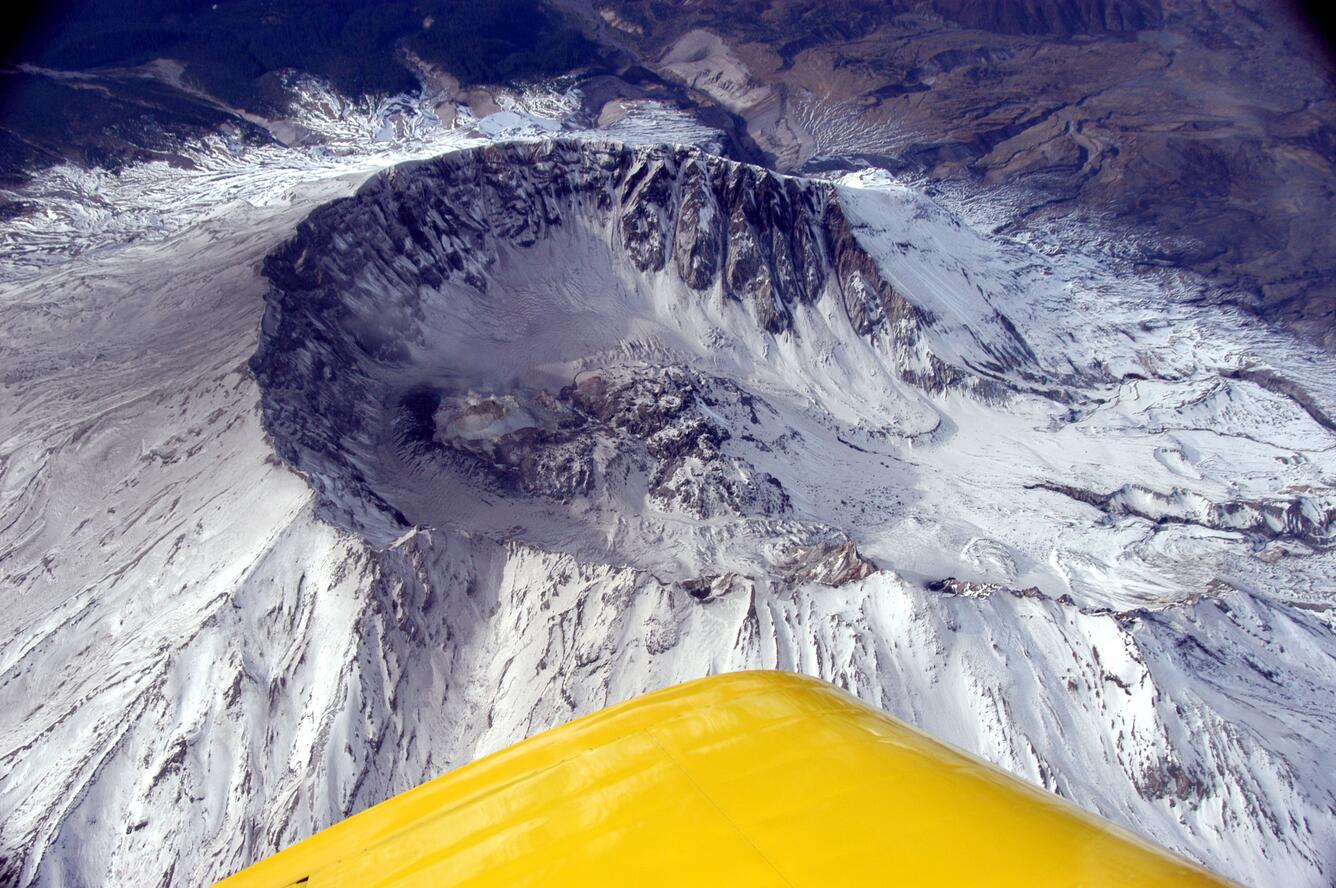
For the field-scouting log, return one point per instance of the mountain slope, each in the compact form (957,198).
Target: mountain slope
(1004,496)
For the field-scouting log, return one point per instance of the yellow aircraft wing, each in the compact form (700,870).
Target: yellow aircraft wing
(745,779)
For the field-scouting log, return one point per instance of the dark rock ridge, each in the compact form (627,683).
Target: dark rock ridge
(708,588)
(370,299)
(771,241)
(1300,518)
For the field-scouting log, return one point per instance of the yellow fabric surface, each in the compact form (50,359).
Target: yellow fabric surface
(745,779)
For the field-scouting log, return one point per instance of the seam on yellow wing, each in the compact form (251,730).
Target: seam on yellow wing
(722,813)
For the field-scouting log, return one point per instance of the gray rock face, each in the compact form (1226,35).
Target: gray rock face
(773,238)
(697,236)
(771,241)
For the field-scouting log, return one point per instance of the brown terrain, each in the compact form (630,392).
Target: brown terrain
(1203,132)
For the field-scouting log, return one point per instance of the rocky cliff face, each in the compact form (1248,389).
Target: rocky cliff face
(750,235)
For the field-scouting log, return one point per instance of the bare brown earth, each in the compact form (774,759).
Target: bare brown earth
(1206,130)
(1201,134)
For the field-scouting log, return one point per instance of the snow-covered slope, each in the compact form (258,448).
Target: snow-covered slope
(573,420)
